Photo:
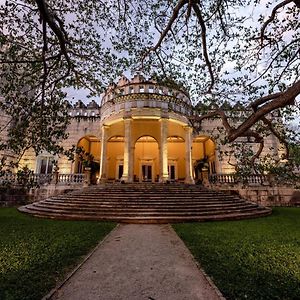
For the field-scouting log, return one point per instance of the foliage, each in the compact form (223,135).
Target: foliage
(45,48)
(295,153)
(25,178)
(221,50)
(36,253)
(85,157)
(255,259)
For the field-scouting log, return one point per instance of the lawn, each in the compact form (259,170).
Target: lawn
(36,253)
(250,259)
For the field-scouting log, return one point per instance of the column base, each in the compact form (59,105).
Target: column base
(126,179)
(189,181)
(101,180)
(164,179)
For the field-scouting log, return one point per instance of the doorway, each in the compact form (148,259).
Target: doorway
(172,172)
(147,173)
(146,159)
(120,171)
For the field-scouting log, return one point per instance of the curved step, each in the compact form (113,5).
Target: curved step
(145,204)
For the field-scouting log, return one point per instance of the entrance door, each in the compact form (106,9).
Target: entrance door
(147,173)
(171,170)
(120,171)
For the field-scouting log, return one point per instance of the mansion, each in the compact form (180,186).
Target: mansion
(141,131)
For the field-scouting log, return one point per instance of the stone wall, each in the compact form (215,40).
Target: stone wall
(13,197)
(51,190)
(278,195)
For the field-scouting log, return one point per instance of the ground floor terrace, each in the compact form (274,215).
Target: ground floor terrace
(141,150)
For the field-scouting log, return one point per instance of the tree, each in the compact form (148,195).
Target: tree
(220,50)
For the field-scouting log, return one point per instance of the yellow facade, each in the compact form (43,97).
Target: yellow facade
(146,143)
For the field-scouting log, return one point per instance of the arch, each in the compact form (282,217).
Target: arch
(175,138)
(146,138)
(176,158)
(115,157)
(203,156)
(88,153)
(146,159)
(116,138)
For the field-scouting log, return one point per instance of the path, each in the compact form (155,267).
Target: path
(139,262)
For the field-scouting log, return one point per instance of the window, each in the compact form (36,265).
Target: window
(142,89)
(45,165)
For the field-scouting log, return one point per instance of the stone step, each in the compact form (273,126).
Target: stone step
(145,204)
(147,200)
(142,209)
(141,204)
(130,195)
(141,213)
(152,219)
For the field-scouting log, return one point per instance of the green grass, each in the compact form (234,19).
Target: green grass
(36,253)
(250,259)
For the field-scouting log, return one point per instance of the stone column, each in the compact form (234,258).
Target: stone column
(131,163)
(188,155)
(163,150)
(103,157)
(128,152)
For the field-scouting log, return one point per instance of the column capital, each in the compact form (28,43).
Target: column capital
(104,126)
(164,116)
(127,120)
(187,127)
(127,115)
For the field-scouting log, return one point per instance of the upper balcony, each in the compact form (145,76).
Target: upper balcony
(139,93)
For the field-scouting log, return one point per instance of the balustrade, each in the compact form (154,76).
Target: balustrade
(76,178)
(42,179)
(233,178)
(146,100)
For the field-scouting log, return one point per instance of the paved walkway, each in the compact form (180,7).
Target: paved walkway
(139,262)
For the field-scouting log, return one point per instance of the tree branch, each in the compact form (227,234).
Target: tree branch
(168,28)
(49,18)
(204,45)
(279,100)
(271,18)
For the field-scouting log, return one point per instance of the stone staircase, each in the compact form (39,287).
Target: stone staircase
(145,203)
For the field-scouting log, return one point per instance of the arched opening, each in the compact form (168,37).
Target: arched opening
(115,157)
(146,159)
(176,158)
(88,155)
(204,157)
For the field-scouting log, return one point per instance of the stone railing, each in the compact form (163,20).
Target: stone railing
(146,100)
(233,179)
(43,179)
(36,179)
(76,178)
